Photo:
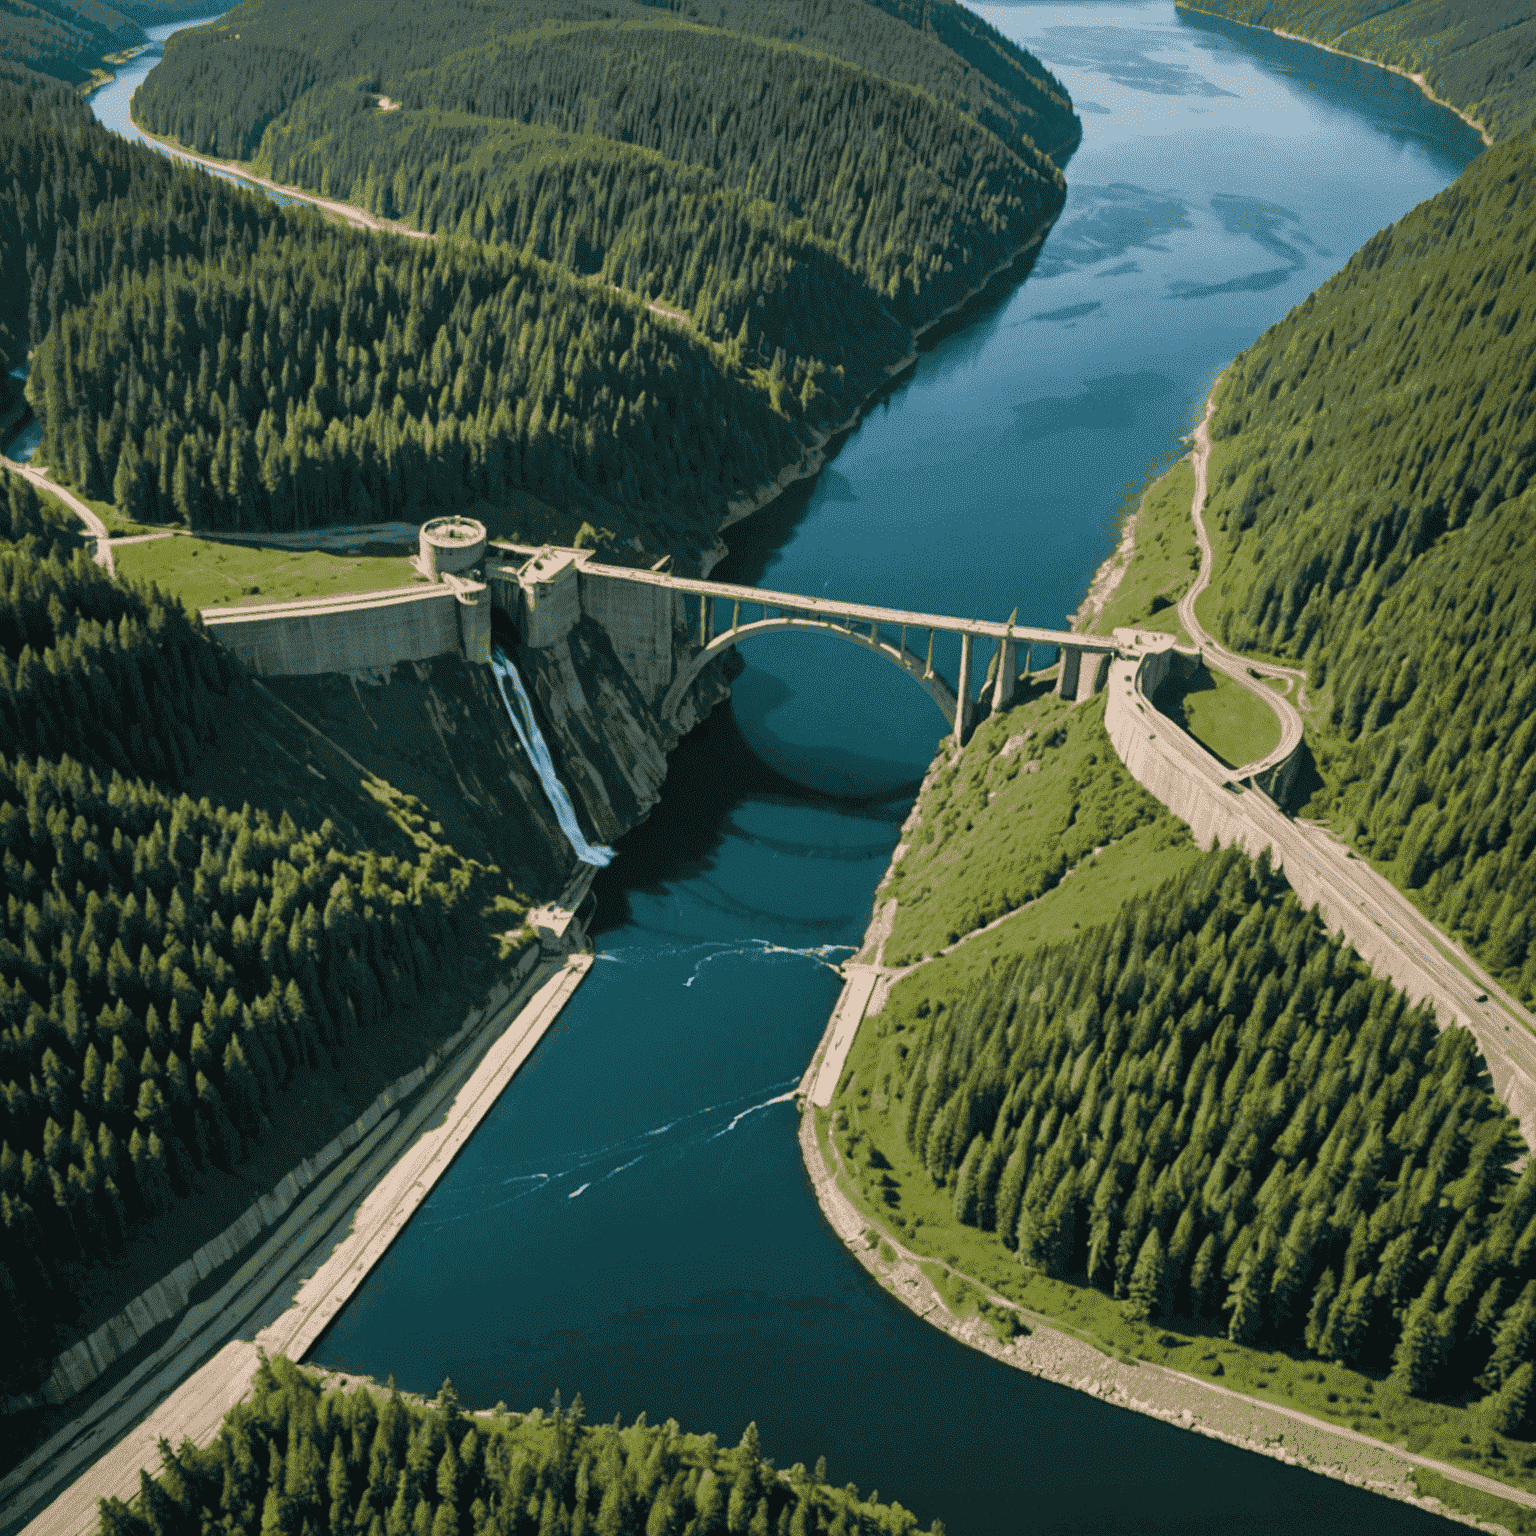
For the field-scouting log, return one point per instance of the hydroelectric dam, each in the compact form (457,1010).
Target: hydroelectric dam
(664,629)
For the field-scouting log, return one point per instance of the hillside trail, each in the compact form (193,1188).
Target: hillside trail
(1251,675)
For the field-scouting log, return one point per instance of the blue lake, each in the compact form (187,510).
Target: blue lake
(632,1220)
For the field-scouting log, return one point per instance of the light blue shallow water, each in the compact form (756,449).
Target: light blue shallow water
(113,101)
(632,1220)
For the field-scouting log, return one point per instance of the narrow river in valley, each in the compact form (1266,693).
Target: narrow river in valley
(632,1220)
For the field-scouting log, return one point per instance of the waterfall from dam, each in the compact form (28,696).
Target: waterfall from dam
(527,728)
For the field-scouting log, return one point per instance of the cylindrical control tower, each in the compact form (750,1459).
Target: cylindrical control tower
(450,544)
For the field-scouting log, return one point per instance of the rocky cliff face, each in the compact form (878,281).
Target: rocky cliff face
(610,745)
(438,730)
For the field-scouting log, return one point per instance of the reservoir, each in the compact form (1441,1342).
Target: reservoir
(632,1221)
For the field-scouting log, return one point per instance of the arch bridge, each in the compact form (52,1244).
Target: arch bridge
(667,630)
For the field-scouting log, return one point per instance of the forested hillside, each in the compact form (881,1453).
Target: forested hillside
(166,965)
(795,187)
(1209,1109)
(1479,55)
(62,40)
(1374,515)
(70,40)
(203,354)
(292,1458)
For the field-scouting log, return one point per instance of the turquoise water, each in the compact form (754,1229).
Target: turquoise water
(632,1220)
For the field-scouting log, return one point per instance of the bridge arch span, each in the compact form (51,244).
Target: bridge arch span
(915,666)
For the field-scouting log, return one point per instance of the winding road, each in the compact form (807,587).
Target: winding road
(1385,927)
(38,478)
(1216,655)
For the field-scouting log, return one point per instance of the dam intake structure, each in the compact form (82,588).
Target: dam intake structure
(520,711)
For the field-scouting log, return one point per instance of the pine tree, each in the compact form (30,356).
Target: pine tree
(1506,1408)
(1147,1294)
(1010,1194)
(1420,1350)
(966,1182)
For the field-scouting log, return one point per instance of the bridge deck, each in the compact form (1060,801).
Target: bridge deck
(828,608)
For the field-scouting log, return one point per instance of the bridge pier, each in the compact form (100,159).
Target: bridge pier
(963,707)
(1007,677)
(1071,665)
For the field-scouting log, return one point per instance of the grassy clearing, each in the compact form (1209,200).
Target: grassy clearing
(1163,563)
(1036,790)
(1518,1519)
(1141,860)
(900,1201)
(1228,720)
(205,574)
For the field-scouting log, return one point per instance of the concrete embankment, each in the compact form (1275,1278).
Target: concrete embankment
(1395,939)
(169,1298)
(288,1292)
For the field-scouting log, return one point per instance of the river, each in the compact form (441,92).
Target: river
(632,1220)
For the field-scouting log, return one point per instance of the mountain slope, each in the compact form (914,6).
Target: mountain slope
(1479,55)
(1374,515)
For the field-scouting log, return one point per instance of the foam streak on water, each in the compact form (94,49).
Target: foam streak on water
(532,738)
(593,1166)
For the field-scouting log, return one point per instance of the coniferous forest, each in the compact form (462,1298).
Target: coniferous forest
(1210,1109)
(166,965)
(1372,506)
(292,1458)
(638,314)
(201,354)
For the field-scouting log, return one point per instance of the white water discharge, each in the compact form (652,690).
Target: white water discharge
(532,738)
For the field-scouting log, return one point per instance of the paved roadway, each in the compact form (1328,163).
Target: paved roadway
(1397,939)
(93,523)
(828,608)
(1238,668)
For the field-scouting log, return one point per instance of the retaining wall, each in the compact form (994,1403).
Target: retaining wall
(168,1298)
(1186,778)
(361,632)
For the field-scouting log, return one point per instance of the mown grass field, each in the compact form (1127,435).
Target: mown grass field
(1164,561)
(207,574)
(1228,720)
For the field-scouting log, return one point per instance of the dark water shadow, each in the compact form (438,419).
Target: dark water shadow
(710,774)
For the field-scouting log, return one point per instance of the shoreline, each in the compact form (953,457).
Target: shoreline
(286,1293)
(806,467)
(1111,571)
(815,458)
(1343,53)
(1140,1386)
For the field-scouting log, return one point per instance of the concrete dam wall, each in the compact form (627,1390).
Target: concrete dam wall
(357,633)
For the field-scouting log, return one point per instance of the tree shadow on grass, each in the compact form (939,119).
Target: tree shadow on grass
(1187,678)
